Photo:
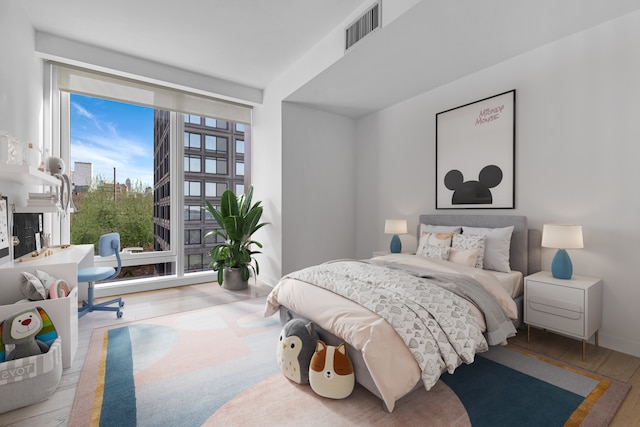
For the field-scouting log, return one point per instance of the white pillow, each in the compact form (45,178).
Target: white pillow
(497,245)
(466,257)
(470,242)
(433,239)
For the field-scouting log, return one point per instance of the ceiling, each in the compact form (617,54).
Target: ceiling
(252,42)
(438,42)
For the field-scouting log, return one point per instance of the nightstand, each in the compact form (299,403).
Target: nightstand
(570,307)
(381,253)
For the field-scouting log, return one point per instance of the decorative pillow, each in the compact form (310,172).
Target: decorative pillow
(427,228)
(32,288)
(470,242)
(46,279)
(433,239)
(59,289)
(466,257)
(438,252)
(497,245)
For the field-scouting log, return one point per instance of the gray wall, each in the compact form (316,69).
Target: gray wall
(318,204)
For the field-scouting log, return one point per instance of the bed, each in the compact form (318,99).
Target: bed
(392,358)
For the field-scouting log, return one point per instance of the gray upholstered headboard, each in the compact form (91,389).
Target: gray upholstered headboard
(524,255)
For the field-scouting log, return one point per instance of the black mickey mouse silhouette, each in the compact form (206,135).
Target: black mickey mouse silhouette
(473,192)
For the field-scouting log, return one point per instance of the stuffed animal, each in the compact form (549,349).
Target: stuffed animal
(295,348)
(331,371)
(20,330)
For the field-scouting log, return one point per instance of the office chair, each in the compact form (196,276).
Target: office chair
(109,244)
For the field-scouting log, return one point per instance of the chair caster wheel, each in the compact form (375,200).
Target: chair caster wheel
(119,314)
(121,304)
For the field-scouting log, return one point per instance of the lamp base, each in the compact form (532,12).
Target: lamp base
(561,267)
(396,244)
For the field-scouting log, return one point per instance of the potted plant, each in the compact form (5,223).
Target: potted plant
(238,220)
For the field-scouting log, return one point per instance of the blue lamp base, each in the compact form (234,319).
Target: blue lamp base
(561,267)
(396,244)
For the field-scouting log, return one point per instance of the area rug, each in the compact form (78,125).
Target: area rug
(217,367)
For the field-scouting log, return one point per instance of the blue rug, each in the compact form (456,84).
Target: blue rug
(504,385)
(217,366)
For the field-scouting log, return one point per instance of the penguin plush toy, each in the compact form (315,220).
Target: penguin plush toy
(296,345)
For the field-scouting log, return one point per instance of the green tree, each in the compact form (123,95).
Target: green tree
(100,212)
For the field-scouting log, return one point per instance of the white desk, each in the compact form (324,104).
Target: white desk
(62,264)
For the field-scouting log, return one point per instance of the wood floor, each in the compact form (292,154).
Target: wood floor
(56,410)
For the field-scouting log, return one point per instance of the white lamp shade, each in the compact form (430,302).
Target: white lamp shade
(562,236)
(395,226)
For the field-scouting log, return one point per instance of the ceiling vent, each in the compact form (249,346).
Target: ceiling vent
(362,26)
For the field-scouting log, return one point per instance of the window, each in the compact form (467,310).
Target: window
(192,188)
(192,141)
(192,237)
(215,165)
(192,213)
(215,143)
(194,262)
(240,168)
(192,164)
(214,189)
(190,118)
(209,130)
(239,146)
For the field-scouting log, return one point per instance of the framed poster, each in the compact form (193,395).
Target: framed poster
(475,154)
(5,238)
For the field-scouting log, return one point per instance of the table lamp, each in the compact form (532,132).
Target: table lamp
(562,237)
(395,227)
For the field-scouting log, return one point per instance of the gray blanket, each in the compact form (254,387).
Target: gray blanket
(499,326)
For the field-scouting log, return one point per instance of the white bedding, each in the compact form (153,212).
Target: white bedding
(390,363)
(512,282)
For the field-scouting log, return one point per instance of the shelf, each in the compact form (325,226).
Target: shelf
(27,175)
(38,209)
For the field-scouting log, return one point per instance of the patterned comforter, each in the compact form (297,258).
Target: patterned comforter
(426,321)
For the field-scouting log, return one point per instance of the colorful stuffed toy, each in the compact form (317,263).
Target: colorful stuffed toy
(20,331)
(331,371)
(295,348)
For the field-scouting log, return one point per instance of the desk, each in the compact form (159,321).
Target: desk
(62,264)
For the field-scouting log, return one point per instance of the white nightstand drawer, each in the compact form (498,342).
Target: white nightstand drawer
(557,307)
(558,315)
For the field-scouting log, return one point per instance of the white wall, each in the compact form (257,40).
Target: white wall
(268,145)
(318,204)
(20,81)
(577,150)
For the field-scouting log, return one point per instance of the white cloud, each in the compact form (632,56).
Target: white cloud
(101,143)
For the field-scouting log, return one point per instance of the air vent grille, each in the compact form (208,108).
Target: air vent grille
(363,26)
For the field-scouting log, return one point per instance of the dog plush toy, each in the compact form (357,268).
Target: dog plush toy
(295,348)
(331,371)
(20,330)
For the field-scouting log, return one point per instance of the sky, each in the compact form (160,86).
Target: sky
(110,135)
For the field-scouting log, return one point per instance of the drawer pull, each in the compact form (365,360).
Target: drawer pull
(557,308)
